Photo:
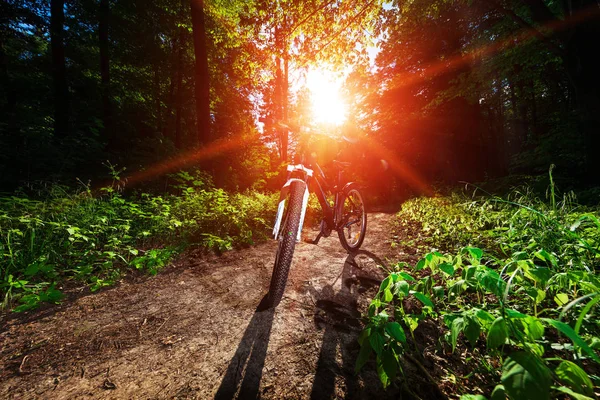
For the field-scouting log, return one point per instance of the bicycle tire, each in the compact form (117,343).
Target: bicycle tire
(354,208)
(287,244)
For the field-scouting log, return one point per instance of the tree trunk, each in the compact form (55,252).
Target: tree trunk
(285,84)
(534,117)
(281,92)
(501,167)
(167,118)
(8,88)
(157,101)
(179,94)
(59,69)
(284,97)
(103,24)
(278,96)
(202,88)
(522,117)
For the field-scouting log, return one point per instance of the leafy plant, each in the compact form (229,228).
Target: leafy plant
(525,289)
(94,239)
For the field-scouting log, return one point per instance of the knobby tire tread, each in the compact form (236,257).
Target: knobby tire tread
(287,244)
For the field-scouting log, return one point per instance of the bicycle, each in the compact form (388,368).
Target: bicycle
(347,216)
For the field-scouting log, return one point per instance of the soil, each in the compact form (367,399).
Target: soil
(195,331)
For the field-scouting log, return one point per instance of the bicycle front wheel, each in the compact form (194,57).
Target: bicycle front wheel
(287,243)
(353,222)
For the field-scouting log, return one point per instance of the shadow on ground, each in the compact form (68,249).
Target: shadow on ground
(242,379)
(338,314)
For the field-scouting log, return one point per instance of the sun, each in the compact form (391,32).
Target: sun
(328,106)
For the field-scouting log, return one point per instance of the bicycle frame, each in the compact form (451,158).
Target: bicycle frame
(330,214)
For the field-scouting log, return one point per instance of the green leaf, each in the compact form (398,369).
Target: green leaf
(536,294)
(497,334)
(515,314)
(364,335)
(498,393)
(536,348)
(469,272)
(484,316)
(574,395)
(540,274)
(406,276)
(395,330)
(385,284)
(472,331)
(32,269)
(387,295)
(561,299)
(474,252)
(472,397)
(424,299)
(383,377)
(438,291)
(363,356)
(545,256)
(411,322)
(389,364)
(401,287)
(420,265)
(525,377)
(571,375)
(533,327)
(457,326)
(490,280)
(575,338)
(382,317)
(377,341)
(51,295)
(447,268)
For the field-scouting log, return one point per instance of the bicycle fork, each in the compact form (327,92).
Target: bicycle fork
(285,190)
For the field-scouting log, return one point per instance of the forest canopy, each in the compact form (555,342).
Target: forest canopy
(443,90)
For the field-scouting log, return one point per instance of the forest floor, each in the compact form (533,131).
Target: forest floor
(193,331)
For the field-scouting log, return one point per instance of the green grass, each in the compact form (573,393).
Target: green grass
(514,283)
(78,237)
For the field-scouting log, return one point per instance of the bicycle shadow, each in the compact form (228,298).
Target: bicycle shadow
(338,314)
(242,379)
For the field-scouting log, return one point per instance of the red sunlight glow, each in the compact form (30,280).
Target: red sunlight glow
(186,159)
(399,167)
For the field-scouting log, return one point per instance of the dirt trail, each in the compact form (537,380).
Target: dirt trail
(193,331)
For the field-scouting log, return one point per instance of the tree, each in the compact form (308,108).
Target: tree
(103,29)
(295,35)
(202,87)
(59,68)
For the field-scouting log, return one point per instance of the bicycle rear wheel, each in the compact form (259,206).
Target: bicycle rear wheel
(353,222)
(287,243)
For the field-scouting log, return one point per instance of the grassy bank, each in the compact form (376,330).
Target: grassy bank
(511,283)
(65,236)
